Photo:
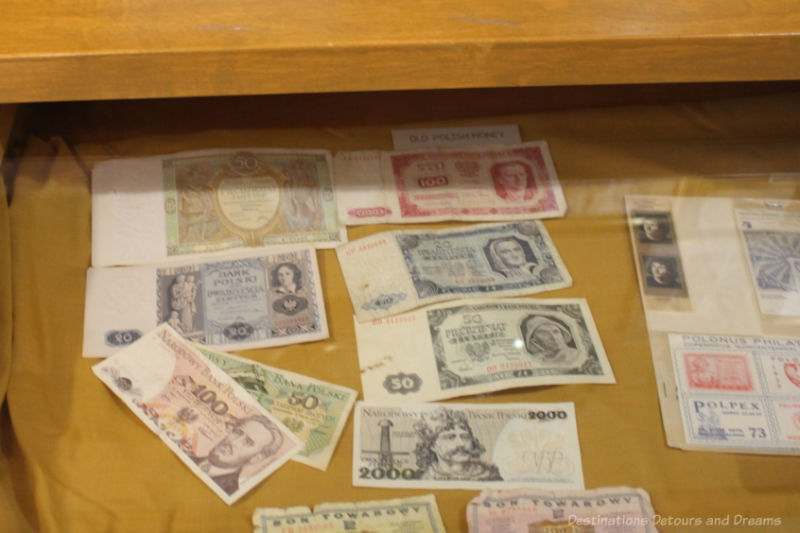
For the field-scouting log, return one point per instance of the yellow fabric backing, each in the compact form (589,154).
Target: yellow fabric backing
(83,462)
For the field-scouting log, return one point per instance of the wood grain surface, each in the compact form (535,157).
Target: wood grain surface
(104,50)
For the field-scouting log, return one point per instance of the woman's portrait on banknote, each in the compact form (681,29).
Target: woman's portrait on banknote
(549,340)
(511,257)
(286,283)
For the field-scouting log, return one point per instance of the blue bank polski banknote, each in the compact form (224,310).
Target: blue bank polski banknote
(246,301)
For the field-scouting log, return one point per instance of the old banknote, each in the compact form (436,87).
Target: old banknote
(461,348)
(739,393)
(247,301)
(770,231)
(151,209)
(416,514)
(315,411)
(483,183)
(388,273)
(211,423)
(603,510)
(466,446)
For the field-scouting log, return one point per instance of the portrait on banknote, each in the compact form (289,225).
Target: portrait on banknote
(287,286)
(249,441)
(427,266)
(549,339)
(478,183)
(459,349)
(512,257)
(473,346)
(428,182)
(314,411)
(462,446)
(220,432)
(447,449)
(513,180)
(249,300)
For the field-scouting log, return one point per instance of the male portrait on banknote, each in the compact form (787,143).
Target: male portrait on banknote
(513,180)
(211,423)
(250,441)
(463,446)
(448,450)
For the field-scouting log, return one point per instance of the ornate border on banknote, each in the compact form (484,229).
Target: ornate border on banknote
(225,200)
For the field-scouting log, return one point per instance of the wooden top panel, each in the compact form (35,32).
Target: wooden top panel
(99,49)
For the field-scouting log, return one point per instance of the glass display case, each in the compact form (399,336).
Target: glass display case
(669,99)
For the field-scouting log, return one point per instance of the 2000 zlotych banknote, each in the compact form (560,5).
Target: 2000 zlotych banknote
(604,510)
(416,514)
(466,446)
(388,273)
(483,183)
(315,411)
(249,301)
(211,423)
(462,348)
(150,209)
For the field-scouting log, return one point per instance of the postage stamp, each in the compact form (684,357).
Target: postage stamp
(724,372)
(738,392)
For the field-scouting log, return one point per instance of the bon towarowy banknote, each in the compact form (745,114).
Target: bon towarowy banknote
(484,183)
(388,273)
(603,510)
(466,446)
(315,411)
(417,514)
(248,301)
(462,348)
(148,210)
(211,423)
